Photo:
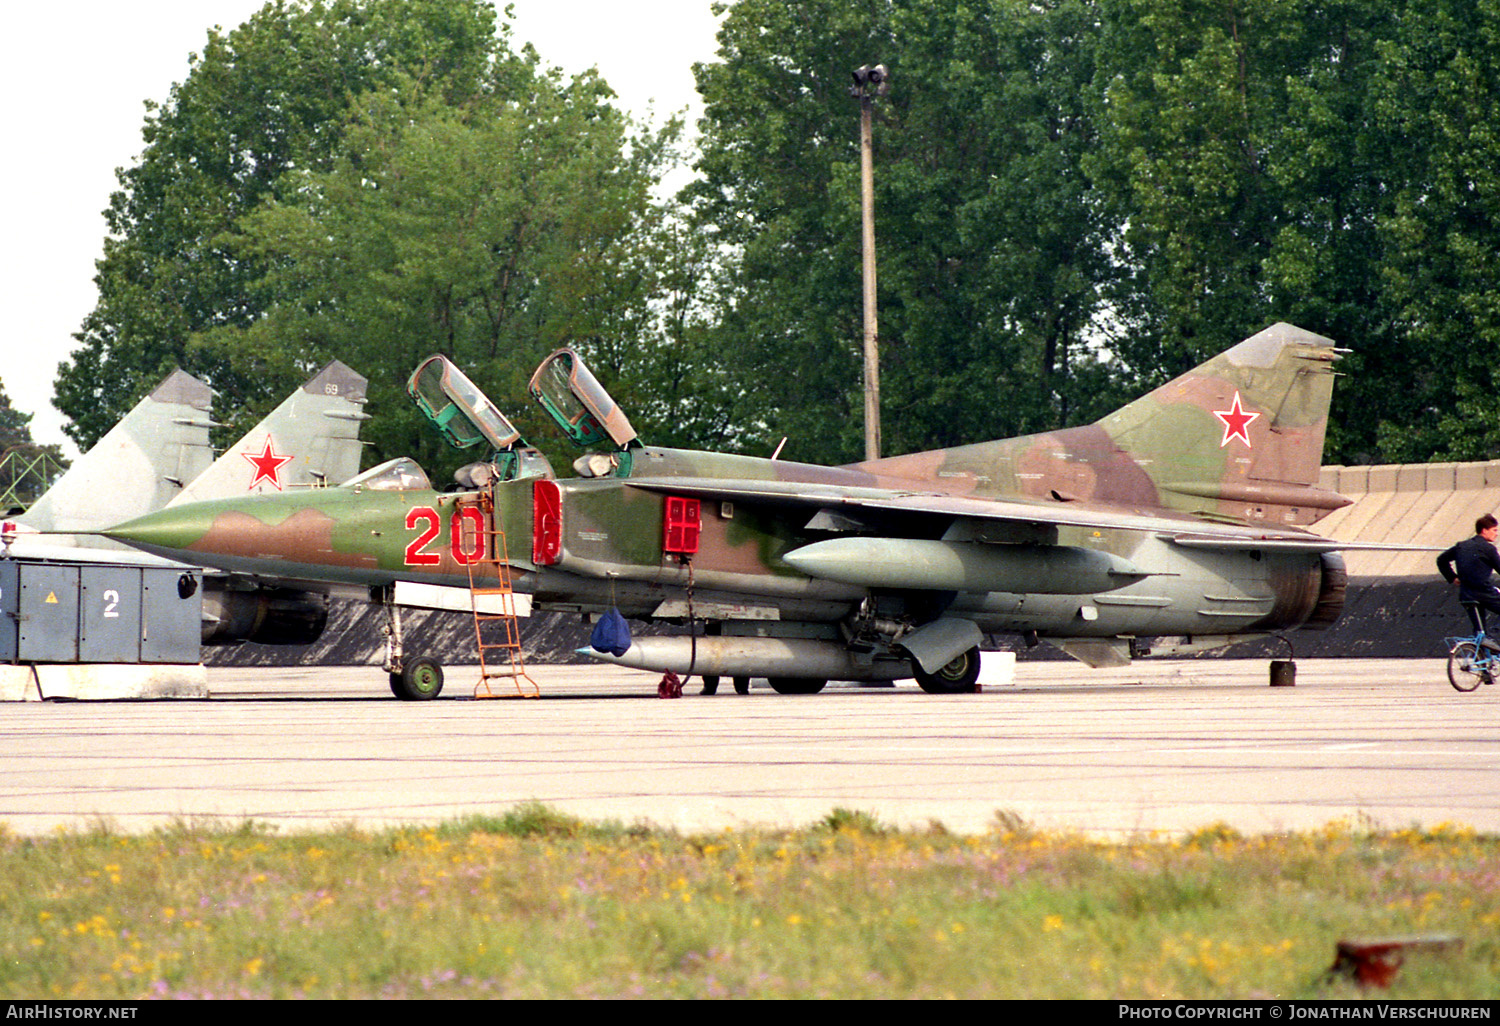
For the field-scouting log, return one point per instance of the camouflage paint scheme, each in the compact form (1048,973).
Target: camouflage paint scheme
(1198,493)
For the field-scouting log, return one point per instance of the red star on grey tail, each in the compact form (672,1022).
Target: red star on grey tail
(1236,422)
(267,465)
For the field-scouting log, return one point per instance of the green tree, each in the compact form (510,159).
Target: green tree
(1324,163)
(1436,100)
(1153,179)
(493,232)
(15,426)
(1242,159)
(271,95)
(991,256)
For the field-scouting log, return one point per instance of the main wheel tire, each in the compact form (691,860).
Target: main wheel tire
(796,685)
(1461,672)
(741,685)
(710,684)
(956,678)
(419,680)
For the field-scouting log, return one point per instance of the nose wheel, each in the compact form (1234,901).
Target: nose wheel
(412,680)
(419,679)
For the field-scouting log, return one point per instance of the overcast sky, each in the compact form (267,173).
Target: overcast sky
(76,75)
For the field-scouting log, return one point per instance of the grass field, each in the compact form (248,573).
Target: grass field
(533,904)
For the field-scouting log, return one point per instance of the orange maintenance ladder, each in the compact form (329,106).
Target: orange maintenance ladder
(501,656)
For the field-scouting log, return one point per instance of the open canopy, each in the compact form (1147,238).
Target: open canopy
(463,413)
(573,397)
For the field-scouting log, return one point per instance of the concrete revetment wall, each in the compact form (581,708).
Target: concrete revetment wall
(1430,504)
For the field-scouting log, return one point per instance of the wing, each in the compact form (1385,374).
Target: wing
(1004,520)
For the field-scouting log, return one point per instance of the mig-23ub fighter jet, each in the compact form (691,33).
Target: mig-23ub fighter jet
(1182,515)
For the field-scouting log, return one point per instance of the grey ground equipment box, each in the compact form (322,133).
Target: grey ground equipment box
(53,612)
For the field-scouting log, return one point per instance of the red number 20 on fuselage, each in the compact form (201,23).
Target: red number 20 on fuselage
(466,524)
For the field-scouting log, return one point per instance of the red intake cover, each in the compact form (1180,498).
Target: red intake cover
(546,522)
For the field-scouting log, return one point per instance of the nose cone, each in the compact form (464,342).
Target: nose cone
(168,532)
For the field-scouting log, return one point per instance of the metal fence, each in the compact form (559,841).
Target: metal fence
(26,471)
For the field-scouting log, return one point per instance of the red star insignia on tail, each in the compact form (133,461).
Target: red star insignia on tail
(267,465)
(1236,422)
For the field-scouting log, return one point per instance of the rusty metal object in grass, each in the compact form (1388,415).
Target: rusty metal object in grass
(1373,961)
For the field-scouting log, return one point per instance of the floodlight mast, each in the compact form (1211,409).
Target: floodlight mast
(868,84)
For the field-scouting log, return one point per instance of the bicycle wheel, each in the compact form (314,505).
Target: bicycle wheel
(1465,669)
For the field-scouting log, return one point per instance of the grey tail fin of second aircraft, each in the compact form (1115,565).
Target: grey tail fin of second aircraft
(310,440)
(140,465)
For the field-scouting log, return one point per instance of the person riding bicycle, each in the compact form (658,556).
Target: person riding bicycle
(1475,558)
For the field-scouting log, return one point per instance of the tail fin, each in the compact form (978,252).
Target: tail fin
(311,439)
(1241,435)
(138,467)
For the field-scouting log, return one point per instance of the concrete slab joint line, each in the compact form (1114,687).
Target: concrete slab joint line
(18,684)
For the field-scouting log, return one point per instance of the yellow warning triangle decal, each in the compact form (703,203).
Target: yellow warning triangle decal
(52,598)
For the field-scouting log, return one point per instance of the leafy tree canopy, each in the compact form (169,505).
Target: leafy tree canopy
(269,96)
(15,426)
(1078,199)
(374,181)
(492,232)
(990,257)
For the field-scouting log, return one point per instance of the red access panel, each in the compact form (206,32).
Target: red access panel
(681,526)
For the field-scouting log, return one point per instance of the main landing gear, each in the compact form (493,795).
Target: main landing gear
(796,685)
(956,678)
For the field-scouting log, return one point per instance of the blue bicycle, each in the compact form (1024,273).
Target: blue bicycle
(1472,661)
